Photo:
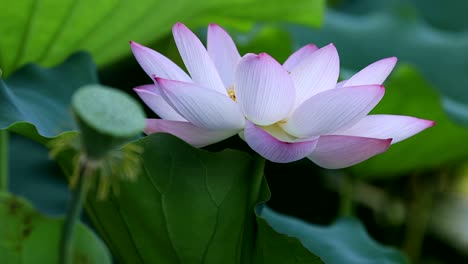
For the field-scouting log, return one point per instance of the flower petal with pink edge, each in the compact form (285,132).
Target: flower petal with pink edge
(223,52)
(202,107)
(316,73)
(336,152)
(153,98)
(153,63)
(196,59)
(387,126)
(195,136)
(298,56)
(273,149)
(333,110)
(375,73)
(264,89)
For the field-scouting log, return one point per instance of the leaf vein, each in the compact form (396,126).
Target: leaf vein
(163,209)
(59,31)
(132,239)
(210,241)
(26,34)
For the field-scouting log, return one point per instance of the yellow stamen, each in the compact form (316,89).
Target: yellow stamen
(232,93)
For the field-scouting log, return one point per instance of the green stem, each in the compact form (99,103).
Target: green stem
(346,196)
(259,174)
(73,216)
(3,160)
(420,206)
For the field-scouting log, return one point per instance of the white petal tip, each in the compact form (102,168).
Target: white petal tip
(330,46)
(179,26)
(331,50)
(262,55)
(427,123)
(393,59)
(135,45)
(390,61)
(215,26)
(379,87)
(311,46)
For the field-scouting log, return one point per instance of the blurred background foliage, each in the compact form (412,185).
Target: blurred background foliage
(48,31)
(414,197)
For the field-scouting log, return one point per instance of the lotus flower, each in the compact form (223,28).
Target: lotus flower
(284,112)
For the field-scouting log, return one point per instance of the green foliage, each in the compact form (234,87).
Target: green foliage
(270,39)
(128,225)
(28,237)
(48,31)
(409,94)
(192,206)
(46,188)
(346,241)
(35,102)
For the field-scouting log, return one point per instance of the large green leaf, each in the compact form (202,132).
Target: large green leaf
(409,94)
(35,177)
(48,31)
(121,232)
(124,236)
(346,241)
(28,237)
(35,102)
(192,206)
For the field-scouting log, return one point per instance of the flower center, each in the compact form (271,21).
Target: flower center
(232,93)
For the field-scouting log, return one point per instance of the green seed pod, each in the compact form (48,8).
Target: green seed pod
(107,119)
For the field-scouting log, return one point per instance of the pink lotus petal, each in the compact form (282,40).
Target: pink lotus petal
(195,136)
(387,126)
(274,150)
(298,56)
(264,89)
(196,59)
(336,152)
(154,100)
(223,52)
(333,110)
(153,63)
(375,73)
(340,84)
(202,107)
(316,73)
